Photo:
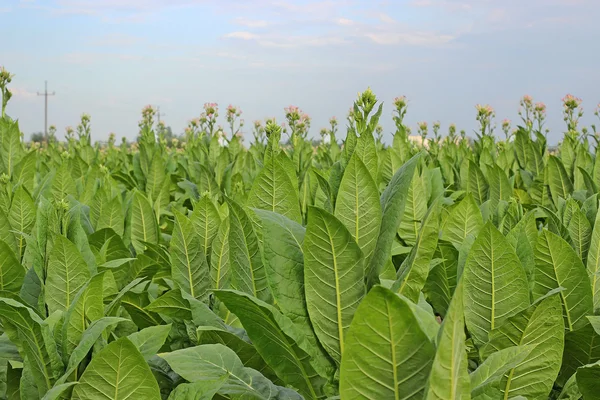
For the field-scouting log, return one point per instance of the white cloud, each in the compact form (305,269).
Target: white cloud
(413,39)
(251,23)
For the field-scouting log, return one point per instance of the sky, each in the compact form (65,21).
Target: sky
(110,58)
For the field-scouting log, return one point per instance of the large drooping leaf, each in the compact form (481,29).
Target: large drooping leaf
(442,278)
(393,202)
(358,206)
(582,347)
(485,380)
(449,378)
(558,180)
(206,221)
(117,372)
(413,272)
(111,216)
(143,223)
(593,262)
(382,341)
(500,188)
(495,284)
(240,345)
(63,185)
(557,265)
(279,342)
(33,339)
(21,217)
(189,267)
(540,326)
(273,190)
(414,211)
(334,276)
(217,363)
(464,220)
(580,233)
(67,273)
(12,273)
(476,183)
(150,340)
(219,258)
(247,270)
(587,381)
(523,238)
(86,307)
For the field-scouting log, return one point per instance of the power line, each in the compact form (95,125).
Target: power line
(46,94)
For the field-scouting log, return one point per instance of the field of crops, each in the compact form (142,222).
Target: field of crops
(206,268)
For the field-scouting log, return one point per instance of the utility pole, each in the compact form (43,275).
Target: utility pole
(46,94)
(158,114)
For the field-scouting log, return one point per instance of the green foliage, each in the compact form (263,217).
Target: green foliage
(202,268)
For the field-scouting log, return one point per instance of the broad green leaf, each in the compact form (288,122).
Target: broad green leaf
(273,190)
(414,211)
(393,202)
(495,284)
(33,339)
(243,348)
(189,267)
(278,341)
(67,273)
(6,232)
(477,184)
(593,262)
(334,277)
(219,258)
(557,265)
(441,281)
(111,216)
(247,270)
(449,378)
(21,217)
(580,232)
(150,340)
(284,262)
(570,391)
(540,326)
(57,391)
(88,339)
(582,347)
(63,185)
(200,390)
(12,273)
(156,176)
(25,171)
(206,221)
(171,304)
(382,341)
(86,307)
(212,363)
(117,372)
(464,220)
(143,222)
(500,188)
(559,182)
(485,380)
(413,272)
(358,207)
(587,381)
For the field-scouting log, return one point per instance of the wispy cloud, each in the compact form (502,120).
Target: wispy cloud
(22,93)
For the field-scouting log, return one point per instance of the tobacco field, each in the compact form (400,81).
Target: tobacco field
(344,268)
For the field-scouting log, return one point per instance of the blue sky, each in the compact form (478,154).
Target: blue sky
(109,58)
